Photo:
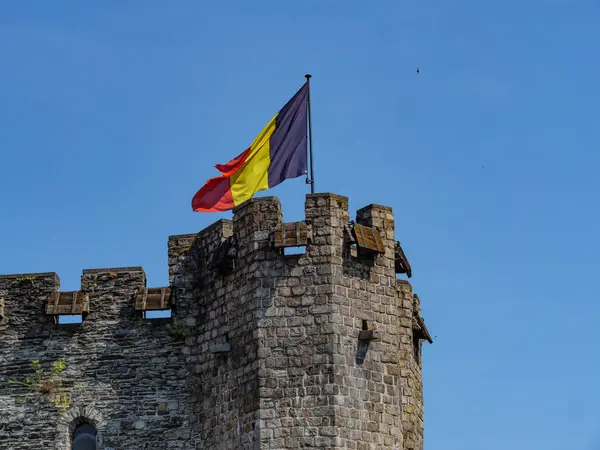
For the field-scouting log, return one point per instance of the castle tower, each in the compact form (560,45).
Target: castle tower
(262,350)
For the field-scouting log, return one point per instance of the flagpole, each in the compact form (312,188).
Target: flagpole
(310,181)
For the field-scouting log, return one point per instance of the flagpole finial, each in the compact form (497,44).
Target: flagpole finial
(308,75)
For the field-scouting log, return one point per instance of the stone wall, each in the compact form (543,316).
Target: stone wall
(298,408)
(130,373)
(224,397)
(367,371)
(411,384)
(264,350)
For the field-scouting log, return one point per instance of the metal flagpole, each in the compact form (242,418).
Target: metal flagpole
(310,181)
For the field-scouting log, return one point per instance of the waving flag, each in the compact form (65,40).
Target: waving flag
(277,153)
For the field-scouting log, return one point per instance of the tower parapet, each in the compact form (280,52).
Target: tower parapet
(256,349)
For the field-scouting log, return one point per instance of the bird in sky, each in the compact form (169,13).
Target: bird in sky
(417,71)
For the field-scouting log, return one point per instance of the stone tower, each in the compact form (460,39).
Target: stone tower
(249,347)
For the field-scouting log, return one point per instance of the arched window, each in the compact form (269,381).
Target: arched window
(84,437)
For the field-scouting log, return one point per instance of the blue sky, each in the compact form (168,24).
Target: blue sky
(113,114)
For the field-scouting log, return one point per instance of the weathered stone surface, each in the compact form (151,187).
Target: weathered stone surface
(263,351)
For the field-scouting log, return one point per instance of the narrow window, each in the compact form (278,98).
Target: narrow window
(417,347)
(300,250)
(157,314)
(69,319)
(84,437)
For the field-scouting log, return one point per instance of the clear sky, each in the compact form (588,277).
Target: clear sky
(113,113)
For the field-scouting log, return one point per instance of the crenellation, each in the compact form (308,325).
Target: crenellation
(112,292)
(263,350)
(256,219)
(25,298)
(26,282)
(113,270)
(112,278)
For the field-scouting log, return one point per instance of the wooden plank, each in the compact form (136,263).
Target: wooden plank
(152,302)
(368,238)
(359,235)
(152,299)
(74,302)
(401,261)
(278,241)
(420,329)
(378,241)
(53,302)
(363,241)
(63,309)
(300,232)
(292,234)
(56,300)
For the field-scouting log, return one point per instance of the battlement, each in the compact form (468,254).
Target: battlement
(255,347)
(256,232)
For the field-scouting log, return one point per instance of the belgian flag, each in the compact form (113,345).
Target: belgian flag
(279,152)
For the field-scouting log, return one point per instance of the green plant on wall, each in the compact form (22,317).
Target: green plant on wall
(178,331)
(25,280)
(44,385)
